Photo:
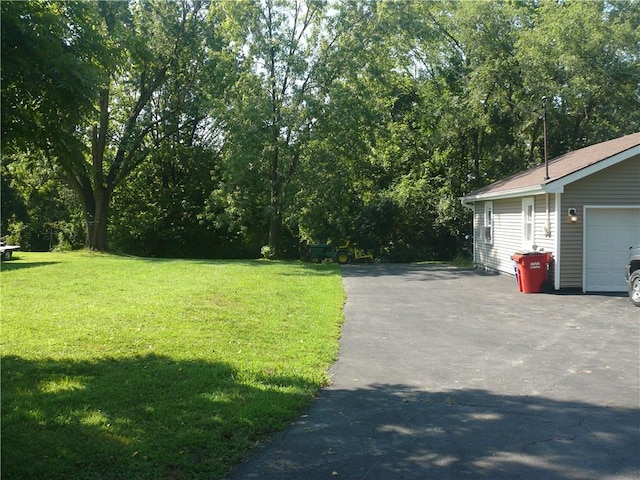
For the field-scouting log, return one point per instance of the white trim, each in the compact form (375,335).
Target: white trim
(528,243)
(584,233)
(556,272)
(488,207)
(520,192)
(474,229)
(557,186)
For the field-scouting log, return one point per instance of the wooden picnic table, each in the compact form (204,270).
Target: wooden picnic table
(6,251)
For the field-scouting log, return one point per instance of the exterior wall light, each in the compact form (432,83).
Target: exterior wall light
(573,215)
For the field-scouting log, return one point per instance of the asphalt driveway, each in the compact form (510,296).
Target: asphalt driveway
(447,373)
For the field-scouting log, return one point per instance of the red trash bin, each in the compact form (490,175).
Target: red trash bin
(531,270)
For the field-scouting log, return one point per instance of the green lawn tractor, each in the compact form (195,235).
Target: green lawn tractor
(320,253)
(349,252)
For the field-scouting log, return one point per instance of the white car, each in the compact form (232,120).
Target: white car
(633,275)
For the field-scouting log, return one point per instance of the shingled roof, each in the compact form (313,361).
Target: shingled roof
(564,169)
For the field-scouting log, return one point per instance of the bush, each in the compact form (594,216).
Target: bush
(267,252)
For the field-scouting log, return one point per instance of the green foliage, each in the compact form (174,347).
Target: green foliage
(584,57)
(144,368)
(224,126)
(39,211)
(452,93)
(266,252)
(156,213)
(143,66)
(15,233)
(49,57)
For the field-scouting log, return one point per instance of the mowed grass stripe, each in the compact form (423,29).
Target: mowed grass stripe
(118,367)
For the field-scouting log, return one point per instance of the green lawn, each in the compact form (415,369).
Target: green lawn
(129,368)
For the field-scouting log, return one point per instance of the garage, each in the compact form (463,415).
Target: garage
(586,214)
(609,232)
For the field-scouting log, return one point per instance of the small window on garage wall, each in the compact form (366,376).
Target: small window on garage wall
(487,231)
(528,223)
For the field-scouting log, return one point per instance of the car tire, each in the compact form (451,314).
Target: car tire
(634,288)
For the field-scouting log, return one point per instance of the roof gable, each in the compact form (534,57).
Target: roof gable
(563,170)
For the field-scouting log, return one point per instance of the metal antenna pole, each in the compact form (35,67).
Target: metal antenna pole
(544,131)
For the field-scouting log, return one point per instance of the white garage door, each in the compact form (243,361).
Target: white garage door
(609,232)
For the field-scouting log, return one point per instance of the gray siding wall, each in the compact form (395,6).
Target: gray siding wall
(544,242)
(508,231)
(616,185)
(493,255)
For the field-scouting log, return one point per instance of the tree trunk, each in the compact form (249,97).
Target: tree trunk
(275,233)
(96,205)
(96,209)
(97,232)
(275,213)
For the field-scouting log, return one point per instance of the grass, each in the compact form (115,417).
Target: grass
(129,368)
(463,262)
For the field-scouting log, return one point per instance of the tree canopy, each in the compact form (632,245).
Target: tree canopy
(212,128)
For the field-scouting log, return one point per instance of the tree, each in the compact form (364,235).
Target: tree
(281,47)
(467,101)
(340,177)
(150,46)
(38,209)
(158,211)
(159,42)
(584,57)
(353,119)
(50,74)
(49,77)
